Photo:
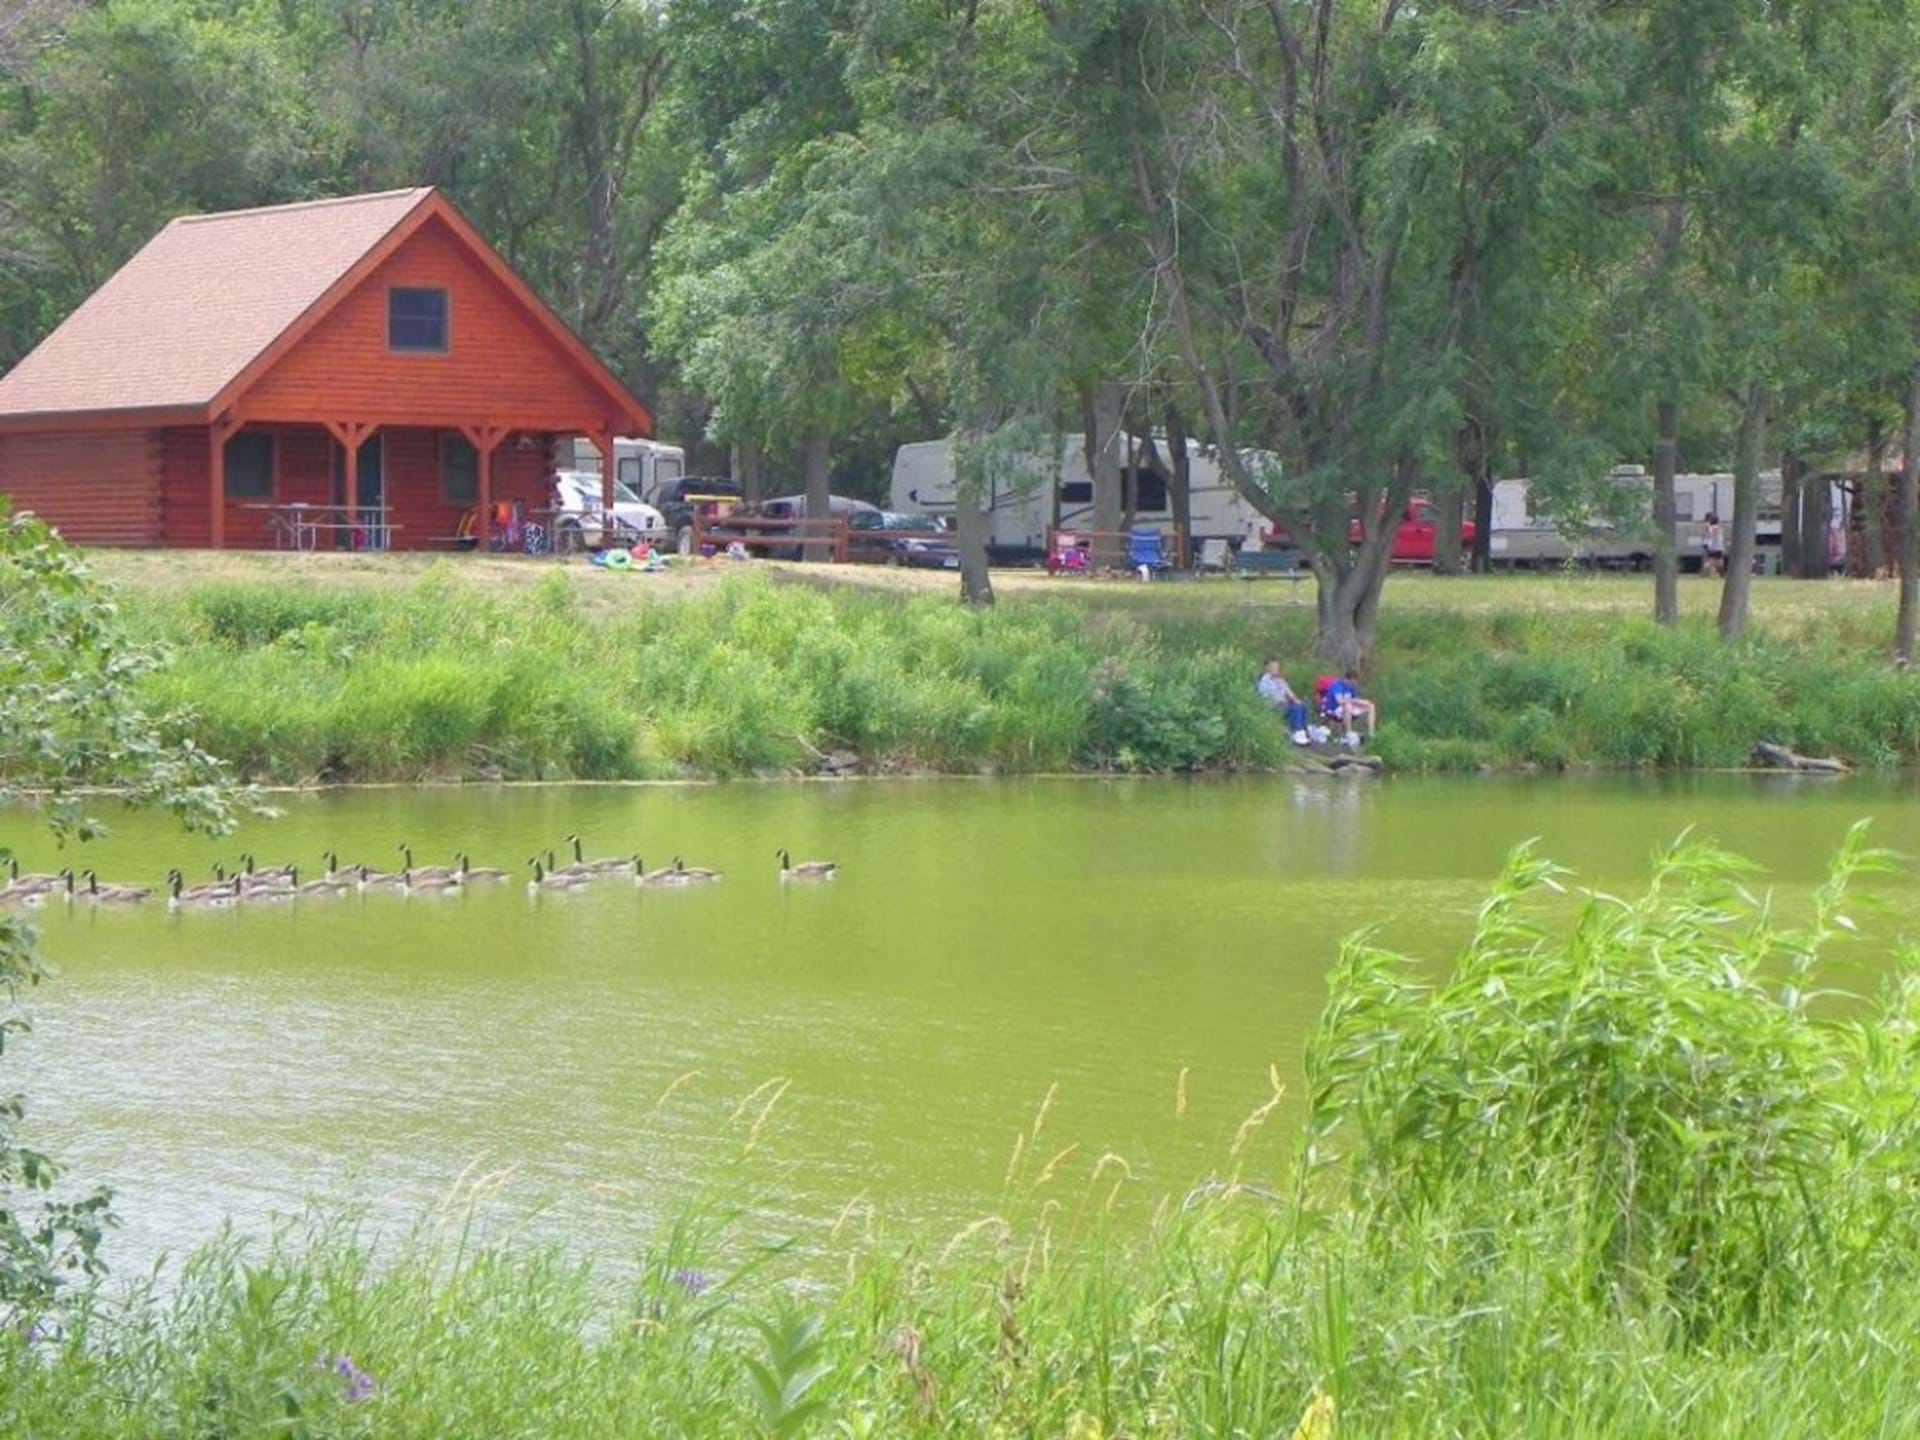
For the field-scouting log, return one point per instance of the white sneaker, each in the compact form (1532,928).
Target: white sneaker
(1300,737)
(1351,741)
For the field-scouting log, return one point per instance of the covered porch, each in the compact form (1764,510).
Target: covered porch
(275,482)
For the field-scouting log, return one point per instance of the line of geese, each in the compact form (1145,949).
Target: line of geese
(283,882)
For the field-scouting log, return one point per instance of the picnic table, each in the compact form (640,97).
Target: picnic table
(299,524)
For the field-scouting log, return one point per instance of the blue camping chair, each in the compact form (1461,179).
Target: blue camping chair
(1148,548)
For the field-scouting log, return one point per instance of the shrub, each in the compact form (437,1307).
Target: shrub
(1655,1084)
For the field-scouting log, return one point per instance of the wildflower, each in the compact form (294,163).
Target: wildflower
(694,1282)
(360,1385)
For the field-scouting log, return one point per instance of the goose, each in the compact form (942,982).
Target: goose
(470,876)
(19,885)
(65,888)
(209,897)
(412,884)
(114,894)
(423,872)
(592,867)
(542,880)
(216,888)
(806,869)
(682,874)
(272,873)
(259,885)
(328,884)
(644,876)
(579,870)
(379,880)
(240,882)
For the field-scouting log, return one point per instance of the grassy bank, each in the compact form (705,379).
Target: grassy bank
(528,672)
(1609,1176)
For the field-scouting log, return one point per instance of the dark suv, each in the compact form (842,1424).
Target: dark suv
(676,499)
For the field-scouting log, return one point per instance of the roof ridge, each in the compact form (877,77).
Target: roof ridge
(416,190)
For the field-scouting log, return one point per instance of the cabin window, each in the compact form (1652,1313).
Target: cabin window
(1076,492)
(630,472)
(417,320)
(459,471)
(249,465)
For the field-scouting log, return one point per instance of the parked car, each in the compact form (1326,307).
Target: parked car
(678,501)
(577,514)
(887,537)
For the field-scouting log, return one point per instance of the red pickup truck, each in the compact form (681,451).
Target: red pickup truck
(1412,542)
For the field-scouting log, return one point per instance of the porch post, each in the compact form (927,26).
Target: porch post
(485,439)
(349,434)
(218,433)
(609,467)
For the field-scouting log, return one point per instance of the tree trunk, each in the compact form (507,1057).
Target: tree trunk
(746,470)
(1909,511)
(1792,547)
(819,456)
(1666,560)
(970,539)
(1449,513)
(1180,485)
(1483,518)
(1873,497)
(1816,510)
(1738,589)
(1104,455)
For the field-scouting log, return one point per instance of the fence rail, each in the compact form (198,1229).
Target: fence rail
(757,532)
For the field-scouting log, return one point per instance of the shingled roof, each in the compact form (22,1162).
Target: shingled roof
(202,299)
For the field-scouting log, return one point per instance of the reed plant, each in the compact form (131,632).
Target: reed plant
(1627,1166)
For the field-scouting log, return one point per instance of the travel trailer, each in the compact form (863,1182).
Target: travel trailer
(642,465)
(1032,494)
(1526,534)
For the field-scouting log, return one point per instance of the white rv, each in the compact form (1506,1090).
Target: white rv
(642,465)
(1032,493)
(1526,532)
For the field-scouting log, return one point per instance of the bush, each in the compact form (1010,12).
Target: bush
(1654,1085)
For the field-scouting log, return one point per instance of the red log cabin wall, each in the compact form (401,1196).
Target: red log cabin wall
(102,488)
(303,472)
(499,367)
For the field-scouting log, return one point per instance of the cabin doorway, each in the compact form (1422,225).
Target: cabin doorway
(365,511)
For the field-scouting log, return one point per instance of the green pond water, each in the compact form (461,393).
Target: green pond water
(985,943)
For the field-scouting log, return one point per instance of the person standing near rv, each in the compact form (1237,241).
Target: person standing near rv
(1714,562)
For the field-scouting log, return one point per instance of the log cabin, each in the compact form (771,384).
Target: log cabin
(368,363)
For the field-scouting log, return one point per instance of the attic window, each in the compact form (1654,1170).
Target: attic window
(417,321)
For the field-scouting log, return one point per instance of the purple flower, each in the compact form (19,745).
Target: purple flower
(694,1282)
(360,1385)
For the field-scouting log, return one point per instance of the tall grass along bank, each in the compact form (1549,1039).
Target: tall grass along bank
(443,679)
(1614,1172)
